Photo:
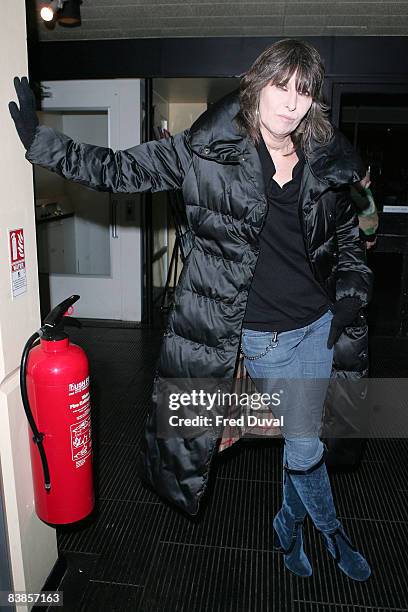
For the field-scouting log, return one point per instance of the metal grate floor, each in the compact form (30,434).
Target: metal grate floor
(136,553)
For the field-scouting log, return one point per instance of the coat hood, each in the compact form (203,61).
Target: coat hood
(216,135)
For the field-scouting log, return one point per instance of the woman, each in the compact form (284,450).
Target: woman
(289,330)
(217,164)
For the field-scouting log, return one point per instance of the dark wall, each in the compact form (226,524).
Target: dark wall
(348,57)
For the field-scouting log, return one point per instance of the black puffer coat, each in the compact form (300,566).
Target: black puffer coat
(219,172)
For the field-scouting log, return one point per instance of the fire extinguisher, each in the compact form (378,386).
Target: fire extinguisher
(54,382)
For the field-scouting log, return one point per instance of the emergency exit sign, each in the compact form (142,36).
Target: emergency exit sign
(17,262)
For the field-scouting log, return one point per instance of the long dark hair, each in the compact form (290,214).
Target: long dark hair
(276,65)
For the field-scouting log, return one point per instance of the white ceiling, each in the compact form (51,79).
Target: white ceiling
(102,19)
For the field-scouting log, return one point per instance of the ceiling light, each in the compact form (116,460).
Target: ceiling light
(48,11)
(66,12)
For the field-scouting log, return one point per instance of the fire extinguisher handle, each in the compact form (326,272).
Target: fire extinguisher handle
(55,316)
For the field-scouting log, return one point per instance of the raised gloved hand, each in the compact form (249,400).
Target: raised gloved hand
(25,117)
(345,311)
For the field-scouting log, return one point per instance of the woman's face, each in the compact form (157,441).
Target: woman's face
(282,108)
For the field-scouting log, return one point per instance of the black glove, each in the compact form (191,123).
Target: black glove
(345,311)
(25,117)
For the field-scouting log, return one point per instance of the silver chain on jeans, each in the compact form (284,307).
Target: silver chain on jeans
(274,340)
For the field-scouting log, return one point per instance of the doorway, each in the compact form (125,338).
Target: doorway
(89,242)
(177,103)
(374,117)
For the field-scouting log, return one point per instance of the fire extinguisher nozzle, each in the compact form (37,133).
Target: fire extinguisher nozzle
(47,486)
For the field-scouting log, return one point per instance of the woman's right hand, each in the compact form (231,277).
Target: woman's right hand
(25,117)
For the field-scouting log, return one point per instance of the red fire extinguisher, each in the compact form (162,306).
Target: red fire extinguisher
(54,382)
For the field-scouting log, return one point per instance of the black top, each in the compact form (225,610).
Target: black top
(284,294)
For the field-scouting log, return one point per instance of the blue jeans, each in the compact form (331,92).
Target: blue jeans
(297,365)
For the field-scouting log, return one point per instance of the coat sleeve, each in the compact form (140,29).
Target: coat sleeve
(354,277)
(159,165)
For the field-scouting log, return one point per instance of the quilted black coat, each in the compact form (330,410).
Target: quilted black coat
(219,172)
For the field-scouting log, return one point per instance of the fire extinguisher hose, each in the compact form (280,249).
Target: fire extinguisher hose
(37,436)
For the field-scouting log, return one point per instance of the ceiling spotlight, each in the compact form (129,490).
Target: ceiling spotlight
(66,12)
(47,12)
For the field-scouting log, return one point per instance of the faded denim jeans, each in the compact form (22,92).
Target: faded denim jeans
(297,365)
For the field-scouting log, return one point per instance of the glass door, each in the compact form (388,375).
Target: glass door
(374,117)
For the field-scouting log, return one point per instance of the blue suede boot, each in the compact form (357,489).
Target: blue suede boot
(314,490)
(288,526)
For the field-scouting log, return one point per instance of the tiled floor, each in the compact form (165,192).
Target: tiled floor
(137,553)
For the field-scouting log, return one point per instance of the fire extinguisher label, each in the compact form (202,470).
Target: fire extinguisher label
(81,442)
(74,388)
